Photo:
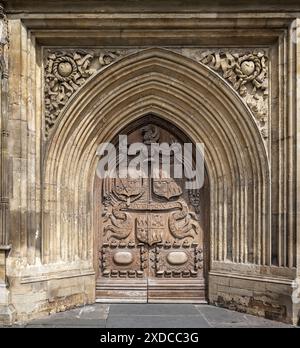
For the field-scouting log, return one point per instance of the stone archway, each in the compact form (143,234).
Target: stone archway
(194,99)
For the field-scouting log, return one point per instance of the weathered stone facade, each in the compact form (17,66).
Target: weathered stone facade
(74,74)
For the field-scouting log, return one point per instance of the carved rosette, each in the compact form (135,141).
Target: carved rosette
(246,72)
(65,72)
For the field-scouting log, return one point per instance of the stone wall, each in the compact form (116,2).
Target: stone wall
(69,80)
(39,298)
(255,291)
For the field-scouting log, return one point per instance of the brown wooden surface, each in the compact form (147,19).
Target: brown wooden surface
(151,232)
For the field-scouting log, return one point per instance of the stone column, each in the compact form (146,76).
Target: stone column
(6,310)
(296,43)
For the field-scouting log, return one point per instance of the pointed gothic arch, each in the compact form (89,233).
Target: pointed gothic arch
(194,99)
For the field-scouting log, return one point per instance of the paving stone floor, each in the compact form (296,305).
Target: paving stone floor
(152,316)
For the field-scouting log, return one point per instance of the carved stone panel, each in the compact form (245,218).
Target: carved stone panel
(66,70)
(246,70)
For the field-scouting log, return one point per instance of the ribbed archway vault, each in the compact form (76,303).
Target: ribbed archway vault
(194,99)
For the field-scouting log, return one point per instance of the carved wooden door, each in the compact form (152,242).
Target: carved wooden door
(150,236)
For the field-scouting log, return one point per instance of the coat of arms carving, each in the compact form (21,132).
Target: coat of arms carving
(167,188)
(149,228)
(127,188)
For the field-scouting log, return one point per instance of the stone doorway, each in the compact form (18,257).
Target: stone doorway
(151,242)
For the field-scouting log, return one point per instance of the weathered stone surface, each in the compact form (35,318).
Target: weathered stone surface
(259,297)
(149,315)
(73,75)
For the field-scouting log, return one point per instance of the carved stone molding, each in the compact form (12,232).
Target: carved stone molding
(246,71)
(4,195)
(66,70)
(7,311)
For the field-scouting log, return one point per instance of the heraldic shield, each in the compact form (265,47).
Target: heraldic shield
(149,228)
(126,188)
(167,188)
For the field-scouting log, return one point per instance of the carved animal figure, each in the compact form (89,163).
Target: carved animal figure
(182,224)
(150,133)
(121,222)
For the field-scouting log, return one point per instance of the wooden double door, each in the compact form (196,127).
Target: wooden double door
(151,242)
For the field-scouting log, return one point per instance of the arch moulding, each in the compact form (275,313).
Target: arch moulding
(222,78)
(202,105)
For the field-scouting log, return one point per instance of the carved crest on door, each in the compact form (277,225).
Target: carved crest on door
(127,188)
(150,231)
(167,188)
(150,228)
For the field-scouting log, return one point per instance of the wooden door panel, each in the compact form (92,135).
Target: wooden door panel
(173,291)
(151,237)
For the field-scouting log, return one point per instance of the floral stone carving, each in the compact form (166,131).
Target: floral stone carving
(246,72)
(66,71)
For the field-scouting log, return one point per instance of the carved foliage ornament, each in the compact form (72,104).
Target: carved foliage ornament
(246,71)
(65,72)
(3,26)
